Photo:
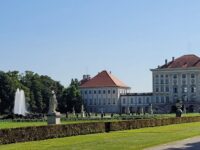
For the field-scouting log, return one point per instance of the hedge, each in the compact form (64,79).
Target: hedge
(35,133)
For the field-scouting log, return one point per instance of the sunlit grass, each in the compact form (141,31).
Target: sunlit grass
(129,139)
(13,124)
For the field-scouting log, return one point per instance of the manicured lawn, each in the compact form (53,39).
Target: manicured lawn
(129,139)
(10,124)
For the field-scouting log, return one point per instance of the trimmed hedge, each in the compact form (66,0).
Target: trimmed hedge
(35,133)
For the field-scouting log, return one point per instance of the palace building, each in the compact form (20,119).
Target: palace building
(178,79)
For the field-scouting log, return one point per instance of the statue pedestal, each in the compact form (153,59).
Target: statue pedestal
(53,118)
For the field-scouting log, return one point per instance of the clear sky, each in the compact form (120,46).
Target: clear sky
(68,38)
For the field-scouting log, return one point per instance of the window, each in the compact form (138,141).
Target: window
(109,101)
(175,82)
(161,81)
(193,89)
(113,91)
(167,88)
(166,76)
(166,81)
(140,101)
(85,101)
(192,76)
(157,89)
(124,101)
(167,99)
(104,92)
(175,76)
(162,99)
(183,76)
(85,92)
(184,82)
(162,89)
(104,101)
(113,101)
(108,91)
(99,91)
(99,101)
(184,89)
(94,92)
(131,100)
(147,100)
(94,101)
(175,90)
(90,101)
(90,92)
(157,99)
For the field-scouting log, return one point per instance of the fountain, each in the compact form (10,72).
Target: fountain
(20,105)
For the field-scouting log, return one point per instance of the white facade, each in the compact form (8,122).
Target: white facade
(134,102)
(170,85)
(104,99)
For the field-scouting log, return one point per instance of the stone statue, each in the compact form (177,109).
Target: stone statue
(179,106)
(53,103)
(53,117)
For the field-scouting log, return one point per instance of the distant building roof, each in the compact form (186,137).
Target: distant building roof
(103,79)
(185,61)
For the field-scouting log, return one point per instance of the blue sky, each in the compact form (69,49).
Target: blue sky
(68,38)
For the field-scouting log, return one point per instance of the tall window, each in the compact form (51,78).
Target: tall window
(175,90)
(193,89)
(167,88)
(104,101)
(131,100)
(184,89)
(113,101)
(140,101)
(157,99)
(124,101)
(109,101)
(167,99)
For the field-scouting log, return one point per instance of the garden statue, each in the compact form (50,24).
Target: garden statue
(82,112)
(53,116)
(73,111)
(179,106)
(53,103)
(150,109)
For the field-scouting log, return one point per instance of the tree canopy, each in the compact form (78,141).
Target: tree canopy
(37,90)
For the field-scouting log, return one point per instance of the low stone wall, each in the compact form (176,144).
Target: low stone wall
(35,133)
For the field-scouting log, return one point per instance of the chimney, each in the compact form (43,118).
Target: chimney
(86,77)
(173,58)
(165,61)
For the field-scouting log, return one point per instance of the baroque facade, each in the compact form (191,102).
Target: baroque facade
(178,79)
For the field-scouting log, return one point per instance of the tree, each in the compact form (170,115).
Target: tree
(71,97)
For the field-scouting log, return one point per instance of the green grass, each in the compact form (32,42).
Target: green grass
(12,124)
(129,139)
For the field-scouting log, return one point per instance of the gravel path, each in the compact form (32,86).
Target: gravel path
(187,144)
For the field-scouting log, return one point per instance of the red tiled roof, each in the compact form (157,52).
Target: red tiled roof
(185,61)
(103,79)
